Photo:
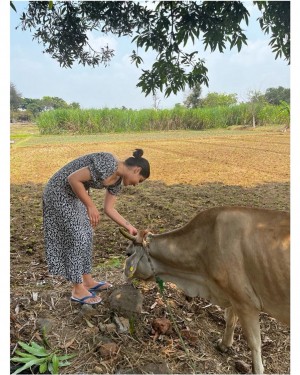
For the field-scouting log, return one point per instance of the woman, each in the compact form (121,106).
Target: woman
(70,215)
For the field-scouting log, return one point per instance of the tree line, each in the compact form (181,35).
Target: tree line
(27,109)
(272,95)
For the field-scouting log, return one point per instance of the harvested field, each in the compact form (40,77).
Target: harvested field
(191,171)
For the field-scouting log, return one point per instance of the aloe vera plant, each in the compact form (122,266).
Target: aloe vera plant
(37,355)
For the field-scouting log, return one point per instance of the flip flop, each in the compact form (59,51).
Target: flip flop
(98,287)
(82,300)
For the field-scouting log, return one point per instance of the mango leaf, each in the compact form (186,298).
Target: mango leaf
(13,6)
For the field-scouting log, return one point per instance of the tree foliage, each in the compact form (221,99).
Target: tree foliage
(62,27)
(36,106)
(15,98)
(277,95)
(193,100)
(214,99)
(275,19)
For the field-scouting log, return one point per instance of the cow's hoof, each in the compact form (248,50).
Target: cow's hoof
(221,347)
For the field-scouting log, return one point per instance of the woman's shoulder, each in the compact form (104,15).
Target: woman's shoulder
(104,157)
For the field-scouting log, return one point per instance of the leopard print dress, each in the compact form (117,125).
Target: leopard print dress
(67,229)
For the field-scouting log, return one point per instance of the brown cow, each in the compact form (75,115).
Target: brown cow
(236,257)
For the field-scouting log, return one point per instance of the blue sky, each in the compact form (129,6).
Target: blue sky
(36,74)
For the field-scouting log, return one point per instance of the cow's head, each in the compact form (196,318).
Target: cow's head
(138,265)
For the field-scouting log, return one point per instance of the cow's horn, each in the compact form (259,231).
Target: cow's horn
(127,235)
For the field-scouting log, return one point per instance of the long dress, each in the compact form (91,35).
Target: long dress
(67,229)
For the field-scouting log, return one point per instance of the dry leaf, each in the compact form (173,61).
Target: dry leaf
(89,323)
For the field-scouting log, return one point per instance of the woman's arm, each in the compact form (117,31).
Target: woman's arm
(109,209)
(76,180)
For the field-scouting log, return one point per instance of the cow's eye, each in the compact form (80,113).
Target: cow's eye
(129,251)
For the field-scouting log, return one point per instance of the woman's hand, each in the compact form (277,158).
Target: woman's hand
(131,229)
(93,215)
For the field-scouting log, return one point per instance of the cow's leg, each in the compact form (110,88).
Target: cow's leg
(227,340)
(249,319)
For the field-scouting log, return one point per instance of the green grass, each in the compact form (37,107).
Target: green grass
(95,121)
(111,263)
(28,135)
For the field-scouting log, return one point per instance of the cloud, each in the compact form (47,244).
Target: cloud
(255,53)
(98,42)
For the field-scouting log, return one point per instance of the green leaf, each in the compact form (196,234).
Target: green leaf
(63,364)
(55,365)
(67,356)
(24,355)
(160,283)
(23,359)
(43,367)
(29,364)
(34,351)
(36,346)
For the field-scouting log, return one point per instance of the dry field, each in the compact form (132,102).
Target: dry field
(191,171)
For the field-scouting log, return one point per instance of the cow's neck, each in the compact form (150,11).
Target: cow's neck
(192,280)
(178,248)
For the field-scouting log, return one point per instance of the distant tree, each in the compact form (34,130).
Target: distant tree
(277,95)
(256,100)
(47,103)
(15,98)
(156,101)
(215,99)
(34,106)
(193,100)
(74,105)
(63,27)
(50,102)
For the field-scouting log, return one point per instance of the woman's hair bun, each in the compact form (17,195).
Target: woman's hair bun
(138,153)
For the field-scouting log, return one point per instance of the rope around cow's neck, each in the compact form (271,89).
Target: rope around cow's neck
(161,288)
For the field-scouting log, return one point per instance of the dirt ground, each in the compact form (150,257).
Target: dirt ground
(188,175)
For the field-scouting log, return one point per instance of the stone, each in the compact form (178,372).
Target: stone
(126,300)
(122,324)
(108,349)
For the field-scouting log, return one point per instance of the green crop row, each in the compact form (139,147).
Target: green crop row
(91,121)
